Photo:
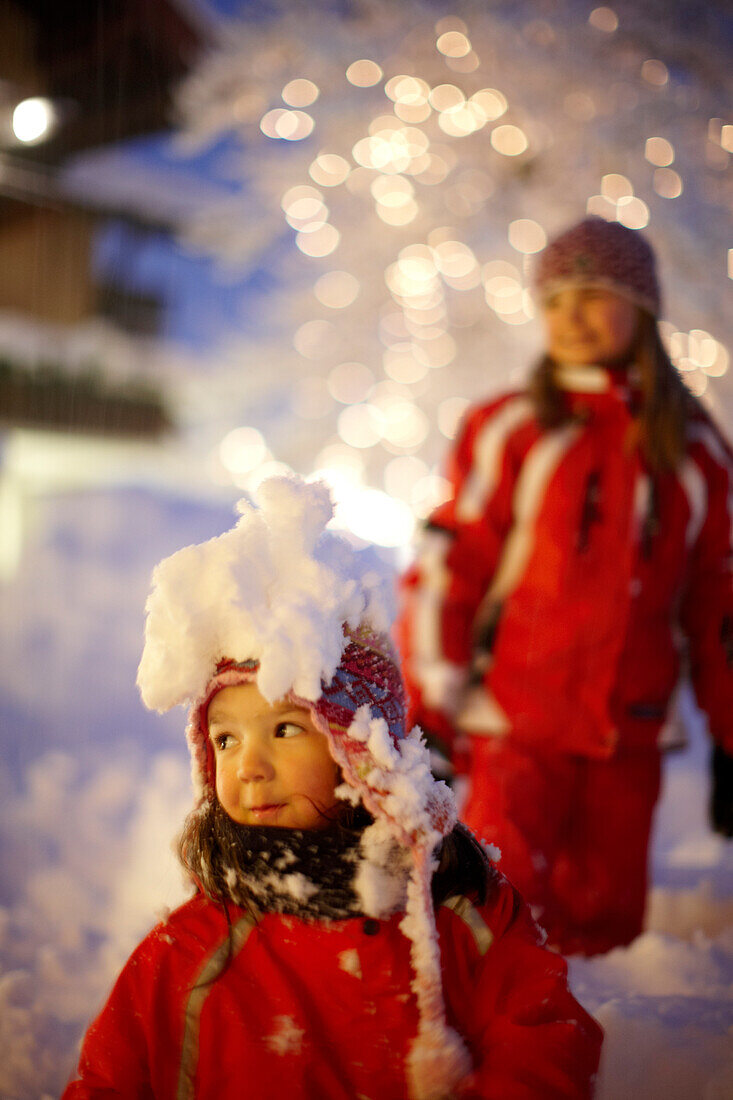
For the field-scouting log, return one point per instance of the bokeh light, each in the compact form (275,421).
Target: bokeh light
(314,339)
(445,97)
(304,208)
(659,151)
(300,92)
(616,187)
(453,44)
(350,383)
(491,103)
(601,207)
(337,289)
(361,425)
(527,236)
(633,213)
(322,242)
(405,363)
(329,169)
(33,119)
(286,125)
(509,140)
(604,19)
(242,450)
(655,72)
(667,183)
(363,73)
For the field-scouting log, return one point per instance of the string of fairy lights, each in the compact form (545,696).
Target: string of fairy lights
(391,200)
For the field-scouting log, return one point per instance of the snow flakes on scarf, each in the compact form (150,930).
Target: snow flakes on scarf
(277,588)
(306,873)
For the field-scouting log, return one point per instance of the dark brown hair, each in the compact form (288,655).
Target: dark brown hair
(666,403)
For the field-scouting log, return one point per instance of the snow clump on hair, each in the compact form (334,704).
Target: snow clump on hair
(278,588)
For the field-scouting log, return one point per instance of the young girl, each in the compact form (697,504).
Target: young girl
(588,528)
(347,938)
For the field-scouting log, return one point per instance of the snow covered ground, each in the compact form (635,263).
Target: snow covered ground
(93,789)
(666,1002)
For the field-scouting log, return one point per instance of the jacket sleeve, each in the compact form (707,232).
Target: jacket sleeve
(530,1039)
(114,1057)
(455,559)
(706,611)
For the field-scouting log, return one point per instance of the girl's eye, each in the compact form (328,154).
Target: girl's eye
(222,741)
(287,729)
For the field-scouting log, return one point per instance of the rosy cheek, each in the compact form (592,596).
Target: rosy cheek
(219,787)
(224,784)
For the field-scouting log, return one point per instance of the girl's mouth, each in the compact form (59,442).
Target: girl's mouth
(269,809)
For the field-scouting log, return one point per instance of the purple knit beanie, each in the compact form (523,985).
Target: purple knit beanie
(596,252)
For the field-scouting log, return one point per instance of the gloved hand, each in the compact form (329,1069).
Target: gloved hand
(721,794)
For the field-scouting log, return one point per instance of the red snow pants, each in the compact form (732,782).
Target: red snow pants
(574,836)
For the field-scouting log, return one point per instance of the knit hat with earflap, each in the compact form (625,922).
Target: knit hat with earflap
(283,602)
(599,253)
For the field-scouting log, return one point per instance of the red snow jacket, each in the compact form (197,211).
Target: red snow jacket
(323,1010)
(551,592)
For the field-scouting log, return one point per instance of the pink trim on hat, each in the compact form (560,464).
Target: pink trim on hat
(203,766)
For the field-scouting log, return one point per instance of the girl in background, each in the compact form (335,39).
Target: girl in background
(583,554)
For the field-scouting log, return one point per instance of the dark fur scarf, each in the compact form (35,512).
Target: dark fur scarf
(271,869)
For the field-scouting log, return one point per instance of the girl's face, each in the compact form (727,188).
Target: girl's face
(589,325)
(273,767)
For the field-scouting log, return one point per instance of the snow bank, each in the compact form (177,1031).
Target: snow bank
(89,867)
(667,1007)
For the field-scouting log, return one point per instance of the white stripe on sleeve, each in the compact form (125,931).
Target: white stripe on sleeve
(488,448)
(440,680)
(538,468)
(695,489)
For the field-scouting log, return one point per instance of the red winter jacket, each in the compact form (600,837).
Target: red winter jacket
(323,1010)
(549,593)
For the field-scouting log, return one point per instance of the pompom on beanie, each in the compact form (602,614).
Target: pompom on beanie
(596,252)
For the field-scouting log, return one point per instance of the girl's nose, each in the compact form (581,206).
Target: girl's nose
(254,762)
(571,311)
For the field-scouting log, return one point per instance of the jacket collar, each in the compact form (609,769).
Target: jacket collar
(585,379)
(594,385)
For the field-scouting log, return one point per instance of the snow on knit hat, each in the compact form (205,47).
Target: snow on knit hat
(283,602)
(596,252)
